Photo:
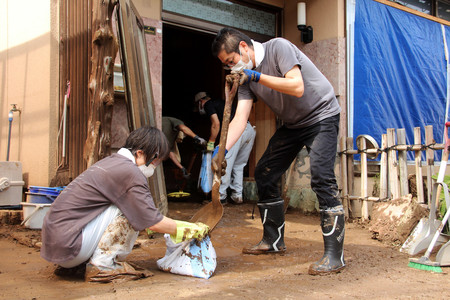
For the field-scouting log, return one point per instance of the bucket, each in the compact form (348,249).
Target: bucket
(33,214)
(52,191)
(40,198)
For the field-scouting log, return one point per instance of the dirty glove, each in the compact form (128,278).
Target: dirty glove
(248,75)
(199,141)
(210,146)
(186,175)
(187,231)
(215,163)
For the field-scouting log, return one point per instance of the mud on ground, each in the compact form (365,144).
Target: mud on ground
(374,270)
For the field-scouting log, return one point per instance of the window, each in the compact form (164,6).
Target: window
(437,8)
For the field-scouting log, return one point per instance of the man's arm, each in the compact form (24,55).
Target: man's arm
(239,122)
(215,127)
(166,225)
(186,130)
(291,83)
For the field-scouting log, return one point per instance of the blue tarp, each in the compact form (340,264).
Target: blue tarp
(400,72)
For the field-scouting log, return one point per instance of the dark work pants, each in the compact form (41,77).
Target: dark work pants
(320,140)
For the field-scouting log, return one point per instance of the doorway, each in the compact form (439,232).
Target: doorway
(188,67)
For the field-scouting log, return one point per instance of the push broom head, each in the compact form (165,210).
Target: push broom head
(424,263)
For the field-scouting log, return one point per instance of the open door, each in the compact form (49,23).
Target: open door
(137,83)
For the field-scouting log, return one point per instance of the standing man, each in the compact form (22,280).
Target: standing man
(237,156)
(279,74)
(171,128)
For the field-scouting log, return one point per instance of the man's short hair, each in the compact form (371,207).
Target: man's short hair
(228,39)
(150,140)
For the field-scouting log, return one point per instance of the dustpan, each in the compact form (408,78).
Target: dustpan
(424,262)
(422,235)
(181,193)
(211,213)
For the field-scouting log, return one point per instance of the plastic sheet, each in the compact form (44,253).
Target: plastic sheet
(206,177)
(400,72)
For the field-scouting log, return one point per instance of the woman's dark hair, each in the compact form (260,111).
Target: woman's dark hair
(228,39)
(150,140)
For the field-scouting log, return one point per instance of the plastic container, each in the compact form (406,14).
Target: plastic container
(40,198)
(52,191)
(33,214)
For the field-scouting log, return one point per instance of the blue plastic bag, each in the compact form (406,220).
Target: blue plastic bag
(206,177)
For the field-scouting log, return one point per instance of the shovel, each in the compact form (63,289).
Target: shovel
(211,213)
(422,235)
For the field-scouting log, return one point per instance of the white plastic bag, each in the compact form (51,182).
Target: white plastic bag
(191,258)
(206,177)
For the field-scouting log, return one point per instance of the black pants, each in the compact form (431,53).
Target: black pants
(320,140)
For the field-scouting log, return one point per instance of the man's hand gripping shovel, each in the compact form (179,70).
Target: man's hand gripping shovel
(211,213)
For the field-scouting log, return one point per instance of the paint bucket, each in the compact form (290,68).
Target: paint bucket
(33,214)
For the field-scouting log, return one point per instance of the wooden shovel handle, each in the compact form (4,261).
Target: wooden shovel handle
(230,92)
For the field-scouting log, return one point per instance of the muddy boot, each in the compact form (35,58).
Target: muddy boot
(272,217)
(333,231)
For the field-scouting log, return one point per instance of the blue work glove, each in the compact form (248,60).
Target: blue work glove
(216,150)
(249,75)
(214,163)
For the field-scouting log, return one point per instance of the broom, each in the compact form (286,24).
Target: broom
(424,262)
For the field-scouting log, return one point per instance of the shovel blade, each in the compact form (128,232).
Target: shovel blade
(421,236)
(209,214)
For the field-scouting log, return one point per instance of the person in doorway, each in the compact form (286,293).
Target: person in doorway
(237,156)
(97,217)
(172,128)
(282,76)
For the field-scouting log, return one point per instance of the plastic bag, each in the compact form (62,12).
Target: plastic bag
(206,177)
(192,258)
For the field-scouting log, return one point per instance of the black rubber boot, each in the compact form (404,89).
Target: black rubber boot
(333,231)
(272,217)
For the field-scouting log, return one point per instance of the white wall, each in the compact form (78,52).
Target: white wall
(29,78)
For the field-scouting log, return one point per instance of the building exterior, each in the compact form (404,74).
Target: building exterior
(34,56)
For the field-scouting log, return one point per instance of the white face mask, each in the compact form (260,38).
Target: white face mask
(147,171)
(241,65)
(201,109)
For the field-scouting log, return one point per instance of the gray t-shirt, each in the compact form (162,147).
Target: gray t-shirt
(170,130)
(318,101)
(113,180)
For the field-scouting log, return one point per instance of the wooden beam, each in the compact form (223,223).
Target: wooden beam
(383,169)
(392,164)
(101,88)
(418,166)
(402,163)
(430,159)
(414,12)
(364,194)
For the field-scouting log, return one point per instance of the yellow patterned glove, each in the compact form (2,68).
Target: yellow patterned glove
(187,231)
(210,146)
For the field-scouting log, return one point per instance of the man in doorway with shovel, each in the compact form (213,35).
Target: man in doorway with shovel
(279,74)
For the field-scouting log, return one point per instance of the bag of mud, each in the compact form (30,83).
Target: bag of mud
(192,258)
(206,176)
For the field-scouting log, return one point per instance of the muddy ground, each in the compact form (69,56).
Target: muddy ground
(374,270)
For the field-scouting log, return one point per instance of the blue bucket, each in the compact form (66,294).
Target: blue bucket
(40,198)
(52,191)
